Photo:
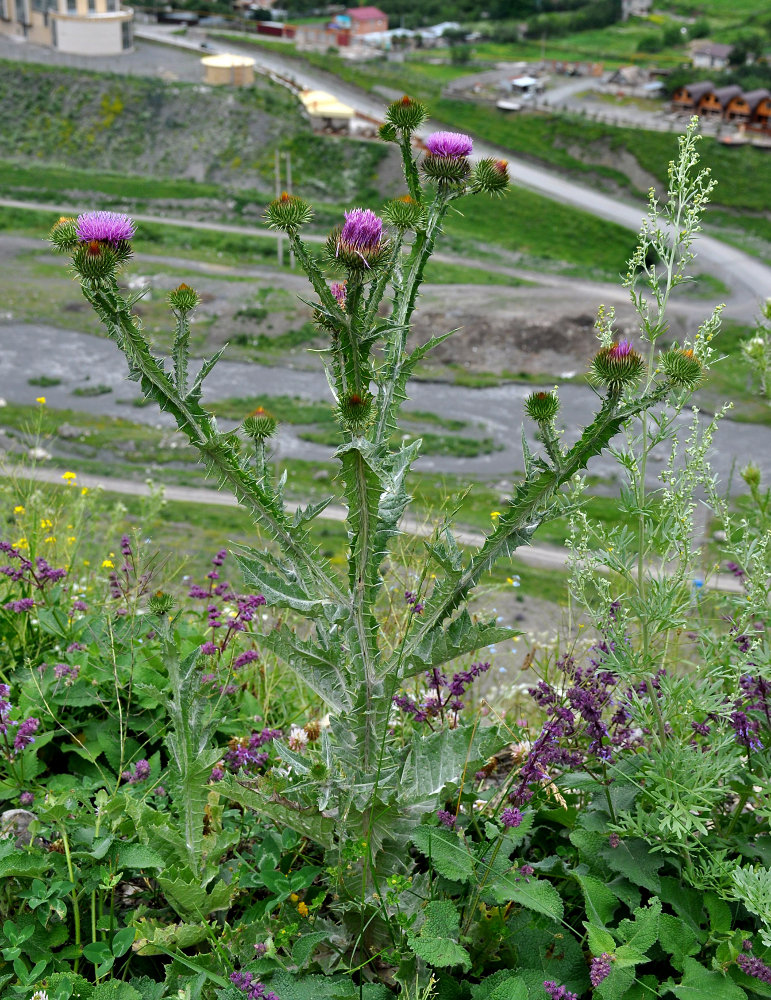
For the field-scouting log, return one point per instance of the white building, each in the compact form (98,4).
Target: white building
(81,27)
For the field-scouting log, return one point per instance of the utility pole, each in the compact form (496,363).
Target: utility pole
(280,240)
(288,159)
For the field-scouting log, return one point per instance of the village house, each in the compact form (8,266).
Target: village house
(743,107)
(714,104)
(710,55)
(366,20)
(81,27)
(687,98)
(635,8)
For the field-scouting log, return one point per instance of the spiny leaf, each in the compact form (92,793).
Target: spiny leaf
(316,662)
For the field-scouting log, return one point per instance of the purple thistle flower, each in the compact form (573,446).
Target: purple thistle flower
(450,144)
(106,227)
(446,819)
(600,968)
(339,289)
(26,799)
(752,966)
(511,818)
(620,350)
(363,230)
(140,772)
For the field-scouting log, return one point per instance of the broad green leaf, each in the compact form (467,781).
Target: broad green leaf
(677,938)
(437,941)
(600,940)
(447,851)
(135,856)
(719,913)
(534,894)
(633,859)
(643,932)
(115,990)
(600,902)
(308,822)
(511,989)
(122,941)
(617,984)
(699,983)
(191,900)
(303,947)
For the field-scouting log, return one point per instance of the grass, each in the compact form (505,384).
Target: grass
(92,390)
(433,444)
(730,380)
(44,381)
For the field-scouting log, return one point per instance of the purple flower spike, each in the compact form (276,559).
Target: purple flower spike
(446,819)
(511,818)
(621,350)
(600,968)
(363,230)
(106,227)
(449,144)
(339,290)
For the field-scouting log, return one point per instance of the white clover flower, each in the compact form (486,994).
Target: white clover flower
(298,739)
(40,995)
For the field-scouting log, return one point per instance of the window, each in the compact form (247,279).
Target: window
(92,6)
(72,6)
(4,10)
(128,40)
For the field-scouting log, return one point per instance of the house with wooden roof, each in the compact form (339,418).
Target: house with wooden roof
(714,104)
(687,98)
(710,55)
(742,108)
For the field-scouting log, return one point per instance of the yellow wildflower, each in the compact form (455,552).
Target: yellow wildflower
(302,909)
(41,400)
(50,539)
(84,491)
(45,523)
(22,544)
(86,562)
(18,509)
(107,564)
(495,513)
(294,897)
(71,539)
(69,476)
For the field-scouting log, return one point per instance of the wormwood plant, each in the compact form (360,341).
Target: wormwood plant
(362,793)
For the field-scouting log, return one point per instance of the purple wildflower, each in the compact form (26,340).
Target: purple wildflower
(25,734)
(78,606)
(557,992)
(449,144)
(620,350)
(340,290)
(140,772)
(752,966)
(23,604)
(106,227)
(217,774)
(260,949)
(526,870)
(248,656)
(511,818)
(600,968)
(446,819)
(250,985)
(209,649)
(614,840)
(747,944)
(26,799)
(363,230)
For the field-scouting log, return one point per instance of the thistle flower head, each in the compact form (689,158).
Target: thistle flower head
(617,366)
(542,406)
(288,212)
(682,368)
(406,114)
(491,176)
(449,144)
(359,245)
(260,424)
(184,298)
(63,235)
(403,213)
(106,227)
(355,410)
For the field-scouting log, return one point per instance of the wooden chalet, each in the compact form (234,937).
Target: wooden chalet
(687,98)
(714,104)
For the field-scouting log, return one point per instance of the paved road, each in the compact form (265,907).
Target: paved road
(749,278)
(542,556)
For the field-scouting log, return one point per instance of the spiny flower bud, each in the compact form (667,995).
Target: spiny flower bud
(403,213)
(355,411)
(617,366)
(63,235)
(260,424)
(313,730)
(95,260)
(447,158)
(682,367)
(359,245)
(542,406)
(406,114)
(491,176)
(387,132)
(184,298)
(288,212)
(160,603)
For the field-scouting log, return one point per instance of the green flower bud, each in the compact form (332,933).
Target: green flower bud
(682,368)
(160,603)
(542,406)
(387,132)
(490,176)
(403,213)
(95,260)
(617,366)
(63,235)
(446,169)
(288,212)
(406,114)
(751,475)
(355,411)
(184,298)
(260,424)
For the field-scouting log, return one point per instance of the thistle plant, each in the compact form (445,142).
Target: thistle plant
(356,782)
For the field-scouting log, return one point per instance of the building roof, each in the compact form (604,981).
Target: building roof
(324,105)
(726,94)
(716,50)
(697,90)
(754,97)
(365,13)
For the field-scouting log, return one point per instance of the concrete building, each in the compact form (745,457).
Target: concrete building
(366,20)
(81,27)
